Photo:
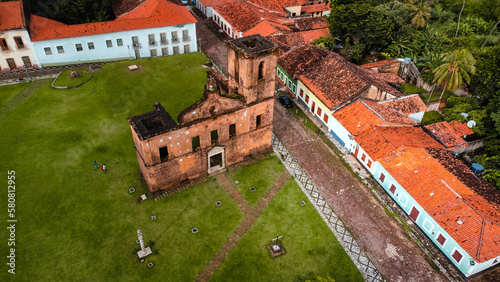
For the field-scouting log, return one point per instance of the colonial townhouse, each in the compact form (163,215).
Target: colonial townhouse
(155,28)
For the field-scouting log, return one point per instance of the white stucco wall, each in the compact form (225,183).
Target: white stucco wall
(15,53)
(102,52)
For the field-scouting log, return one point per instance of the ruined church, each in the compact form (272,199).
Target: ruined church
(231,123)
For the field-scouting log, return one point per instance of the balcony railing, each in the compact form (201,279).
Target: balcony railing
(184,39)
(152,43)
(175,40)
(136,45)
(164,42)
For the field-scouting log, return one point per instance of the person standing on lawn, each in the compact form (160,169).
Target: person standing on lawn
(95,165)
(103,168)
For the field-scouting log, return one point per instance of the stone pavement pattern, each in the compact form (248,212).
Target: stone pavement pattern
(251,216)
(383,240)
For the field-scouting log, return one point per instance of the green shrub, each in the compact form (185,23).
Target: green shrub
(411,89)
(432,117)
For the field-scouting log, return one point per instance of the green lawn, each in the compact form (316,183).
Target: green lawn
(65,79)
(7,92)
(74,223)
(412,89)
(261,175)
(310,246)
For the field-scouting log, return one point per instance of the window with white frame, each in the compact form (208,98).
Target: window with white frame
(119,42)
(441,239)
(109,43)
(60,49)
(47,50)
(91,45)
(457,255)
(78,47)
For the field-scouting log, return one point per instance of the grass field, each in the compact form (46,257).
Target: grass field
(75,223)
(65,79)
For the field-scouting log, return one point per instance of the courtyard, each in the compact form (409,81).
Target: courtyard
(77,223)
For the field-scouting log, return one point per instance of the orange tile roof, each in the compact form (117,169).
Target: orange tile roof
(406,105)
(311,23)
(211,3)
(311,35)
(446,134)
(316,8)
(266,28)
(278,5)
(380,63)
(238,15)
(380,140)
(153,13)
(301,59)
(121,7)
(11,15)
(471,220)
(337,81)
(363,115)
(391,78)
(461,128)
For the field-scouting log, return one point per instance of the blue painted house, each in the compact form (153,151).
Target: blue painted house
(155,28)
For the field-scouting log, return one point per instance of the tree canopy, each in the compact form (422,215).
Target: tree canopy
(73,11)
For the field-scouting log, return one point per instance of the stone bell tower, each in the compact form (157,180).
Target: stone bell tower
(252,64)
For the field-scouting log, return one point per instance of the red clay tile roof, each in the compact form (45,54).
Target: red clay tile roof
(287,41)
(446,134)
(11,16)
(303,24)
(336,81)
(266,28)
(278,5)
(153,13)
(311,35)
(358,117)
(211,3)
(380,63)
(406,105)
(380,140)
(316,8)
(471,220)
(391,78)
(301,59)
(461,128)
(238,15)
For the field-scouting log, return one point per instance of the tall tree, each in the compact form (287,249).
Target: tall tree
(459,16)
(497,12)
(457,67)
(421,12)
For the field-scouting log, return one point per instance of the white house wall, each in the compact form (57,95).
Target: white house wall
(417,117)
(102,52)
(15,53)
(221,22)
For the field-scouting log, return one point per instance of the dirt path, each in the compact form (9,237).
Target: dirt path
(251,216)
(395,256)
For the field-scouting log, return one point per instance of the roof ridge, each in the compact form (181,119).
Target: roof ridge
(362,101)
(124,14)
(385,137)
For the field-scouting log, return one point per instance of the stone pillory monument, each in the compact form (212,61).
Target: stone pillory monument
(232,122)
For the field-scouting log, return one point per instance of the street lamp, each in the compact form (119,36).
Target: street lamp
(27,74)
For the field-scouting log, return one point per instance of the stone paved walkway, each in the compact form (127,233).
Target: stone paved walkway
(251,215)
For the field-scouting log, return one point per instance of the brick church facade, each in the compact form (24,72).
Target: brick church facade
(231,123)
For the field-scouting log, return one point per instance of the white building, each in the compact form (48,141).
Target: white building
(16,51)
(155,28)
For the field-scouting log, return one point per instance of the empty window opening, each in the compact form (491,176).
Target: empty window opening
(19,42)
(232,130)
(441,240)
(163,154)
(414,214)
(392,189)
(195,142)
(216,161)
(258,121)
(3,45)
(382,177)
(214,136)
(261,70)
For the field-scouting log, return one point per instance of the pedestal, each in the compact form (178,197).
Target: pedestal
(145,253)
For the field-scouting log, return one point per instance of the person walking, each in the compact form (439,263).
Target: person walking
(103,168)
(95,165)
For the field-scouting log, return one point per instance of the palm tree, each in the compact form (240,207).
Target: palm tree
(497,12)
(457,67)
(459,15)
(421,12)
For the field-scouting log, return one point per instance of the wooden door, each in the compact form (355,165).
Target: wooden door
(27,62)
(313,107)
(356,152)
(12,64)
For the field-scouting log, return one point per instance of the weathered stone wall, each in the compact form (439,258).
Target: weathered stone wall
(374,93)
(184,164)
